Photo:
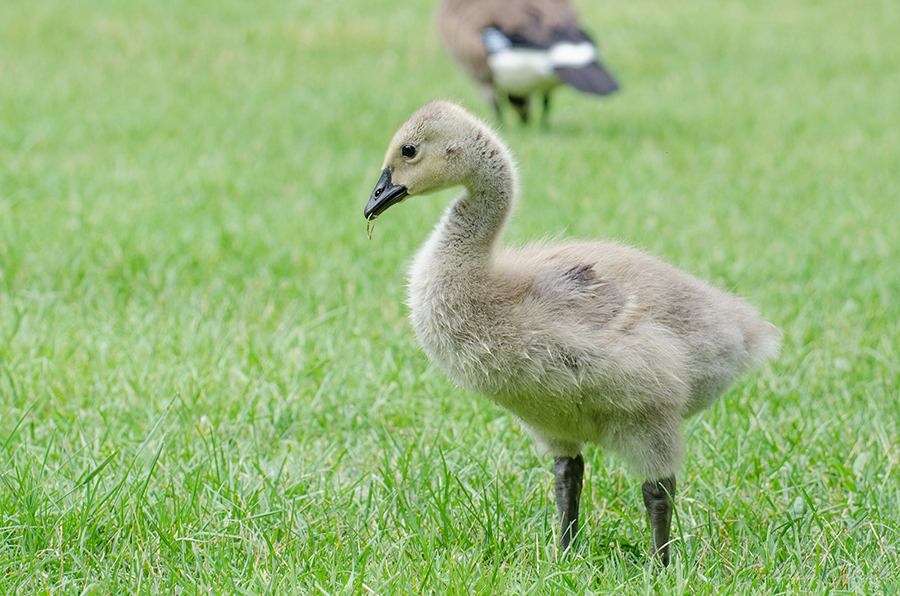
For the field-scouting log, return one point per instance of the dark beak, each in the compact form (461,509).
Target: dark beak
(385,194)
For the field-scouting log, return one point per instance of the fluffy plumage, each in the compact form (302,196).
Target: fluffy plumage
(588,342)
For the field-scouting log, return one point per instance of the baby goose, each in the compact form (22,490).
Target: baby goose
(582,342)
(516,48)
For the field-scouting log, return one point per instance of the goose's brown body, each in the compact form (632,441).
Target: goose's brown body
(536,31)
(583,342)
(460,23)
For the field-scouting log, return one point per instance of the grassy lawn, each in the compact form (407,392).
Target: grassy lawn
(207,380)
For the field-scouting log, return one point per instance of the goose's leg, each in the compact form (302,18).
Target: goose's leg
(521,106)
(568,473)
(545,114)
(492,96)
(496,104)
(659,498)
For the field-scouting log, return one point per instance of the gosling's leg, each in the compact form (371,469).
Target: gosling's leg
(659,498)
(568,472)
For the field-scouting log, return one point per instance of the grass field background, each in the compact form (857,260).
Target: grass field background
(207,380)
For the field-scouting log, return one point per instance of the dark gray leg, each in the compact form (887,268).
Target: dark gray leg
(545,114)
(568,472)
(497,111)
(521,104)
(659,498)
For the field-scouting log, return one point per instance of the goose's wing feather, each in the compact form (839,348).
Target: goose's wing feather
(540,23)
(540,34)
(592,78)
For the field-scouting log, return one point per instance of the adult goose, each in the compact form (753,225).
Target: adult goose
(516,48)
(582,342)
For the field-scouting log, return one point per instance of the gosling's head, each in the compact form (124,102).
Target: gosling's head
(433,150)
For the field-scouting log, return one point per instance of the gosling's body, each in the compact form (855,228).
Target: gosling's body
(583,342)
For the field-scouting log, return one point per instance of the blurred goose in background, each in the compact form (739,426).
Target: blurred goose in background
(582,342)
(517,48)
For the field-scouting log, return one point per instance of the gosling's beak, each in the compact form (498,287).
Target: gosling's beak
(385,194)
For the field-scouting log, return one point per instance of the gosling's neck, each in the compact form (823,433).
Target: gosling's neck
(473,224)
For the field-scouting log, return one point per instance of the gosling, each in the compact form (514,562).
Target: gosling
(582,342)
(518,48)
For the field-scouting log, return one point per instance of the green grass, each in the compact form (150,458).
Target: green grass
(207,381)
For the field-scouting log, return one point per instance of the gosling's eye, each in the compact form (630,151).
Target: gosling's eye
(408,151)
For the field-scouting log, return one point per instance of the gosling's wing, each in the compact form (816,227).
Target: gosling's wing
(579,292)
